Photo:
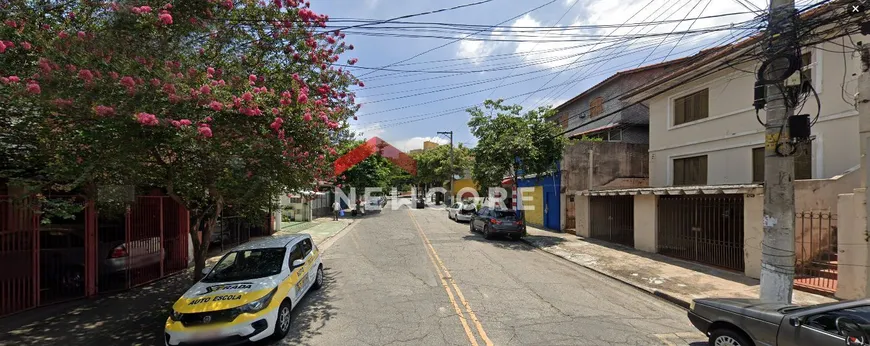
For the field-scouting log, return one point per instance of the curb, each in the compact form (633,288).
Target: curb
(682,303)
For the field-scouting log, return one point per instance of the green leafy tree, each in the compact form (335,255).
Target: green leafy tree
(219,103)
(510,142)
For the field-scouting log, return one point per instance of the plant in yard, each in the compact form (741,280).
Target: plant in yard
(219,103)
(509,143)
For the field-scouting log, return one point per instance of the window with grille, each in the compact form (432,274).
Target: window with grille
(596,107)
(690,170)
(758,165)
(803,161)
(806,71)
(692,107)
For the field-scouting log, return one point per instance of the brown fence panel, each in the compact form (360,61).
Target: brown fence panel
(702,228)
(174,237)
(612,219)
(816,251)
(19,258)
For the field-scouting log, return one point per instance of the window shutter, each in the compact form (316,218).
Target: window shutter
(679,111)
(758,165)
(703,104)
(679,176)
(702,170)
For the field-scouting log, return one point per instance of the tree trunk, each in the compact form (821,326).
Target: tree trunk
(205,223)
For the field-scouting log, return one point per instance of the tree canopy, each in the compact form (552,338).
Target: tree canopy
(509,142)
(433,165)
(216,102)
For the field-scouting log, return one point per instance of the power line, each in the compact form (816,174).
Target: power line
(457,40)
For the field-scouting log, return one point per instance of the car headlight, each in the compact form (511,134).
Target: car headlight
(176,316)
(692,306)
(258,304)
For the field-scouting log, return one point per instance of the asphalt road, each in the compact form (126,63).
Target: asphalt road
(413,277)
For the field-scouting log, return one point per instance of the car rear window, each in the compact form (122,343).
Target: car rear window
(505,214)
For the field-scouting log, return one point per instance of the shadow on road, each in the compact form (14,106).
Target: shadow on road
(501,242)
(135,317)
(312,314)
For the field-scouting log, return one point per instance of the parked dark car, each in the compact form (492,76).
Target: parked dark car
(747,322)
(492,222)
(62,256)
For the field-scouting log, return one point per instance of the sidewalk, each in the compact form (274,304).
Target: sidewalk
(132,317)
(672,279)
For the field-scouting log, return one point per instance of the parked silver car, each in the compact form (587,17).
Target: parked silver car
(461,211)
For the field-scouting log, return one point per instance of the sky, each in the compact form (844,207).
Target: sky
(515,61)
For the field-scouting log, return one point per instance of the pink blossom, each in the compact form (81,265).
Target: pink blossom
(215,106)
(169,88)
(307,117)
(12,79)
(2,48)
(147,119)
(62,102)
(355,118)
(204,130)
(114,75)
(104,110)
(81,35)
(9,44)
(185,122)
(10,23)
(247,96)
(173,98)
(26,45)
(33,88)
(350,47)
(330,39)
(155,82)
(252,78)
(165,17)
(208,119)
(210,70)
(175,123)
(228,4)
(168,6)
(352,61)
(86,75)
(361,84)
(62,34)
(275,111)
(128,82)
(205,90)
(303,98)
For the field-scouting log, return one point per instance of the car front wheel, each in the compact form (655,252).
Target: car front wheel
(318,280)
(282,323)
(728,337)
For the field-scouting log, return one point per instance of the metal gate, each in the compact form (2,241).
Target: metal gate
(816,251)
(570,224)
(19,256)
(612,219)
(702,228)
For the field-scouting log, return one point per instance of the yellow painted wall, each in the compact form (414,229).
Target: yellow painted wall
(536,194)
(463,183)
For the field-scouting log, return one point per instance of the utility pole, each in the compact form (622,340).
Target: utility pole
(778,242)
(450,133)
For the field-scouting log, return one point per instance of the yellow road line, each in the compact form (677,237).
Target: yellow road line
(452,283)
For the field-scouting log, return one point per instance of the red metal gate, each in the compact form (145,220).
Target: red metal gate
(816,252)
(19,256)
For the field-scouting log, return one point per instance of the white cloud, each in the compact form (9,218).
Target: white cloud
(372,3)
(412,143)
(367,130)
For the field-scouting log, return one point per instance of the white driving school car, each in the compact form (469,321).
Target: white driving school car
(248,294)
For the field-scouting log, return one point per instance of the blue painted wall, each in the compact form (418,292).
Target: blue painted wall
(551,185)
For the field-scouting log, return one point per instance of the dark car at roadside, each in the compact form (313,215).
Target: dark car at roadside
(494,222)
(748,322)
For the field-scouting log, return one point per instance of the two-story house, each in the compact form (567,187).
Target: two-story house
(705,198)
(616,132)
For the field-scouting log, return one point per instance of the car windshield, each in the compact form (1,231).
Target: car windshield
(247,264)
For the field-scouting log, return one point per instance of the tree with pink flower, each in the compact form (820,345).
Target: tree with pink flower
(192,97)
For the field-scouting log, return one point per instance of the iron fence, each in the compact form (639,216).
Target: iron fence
(612,219)
(702,228)
(19,256)
(816,251)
